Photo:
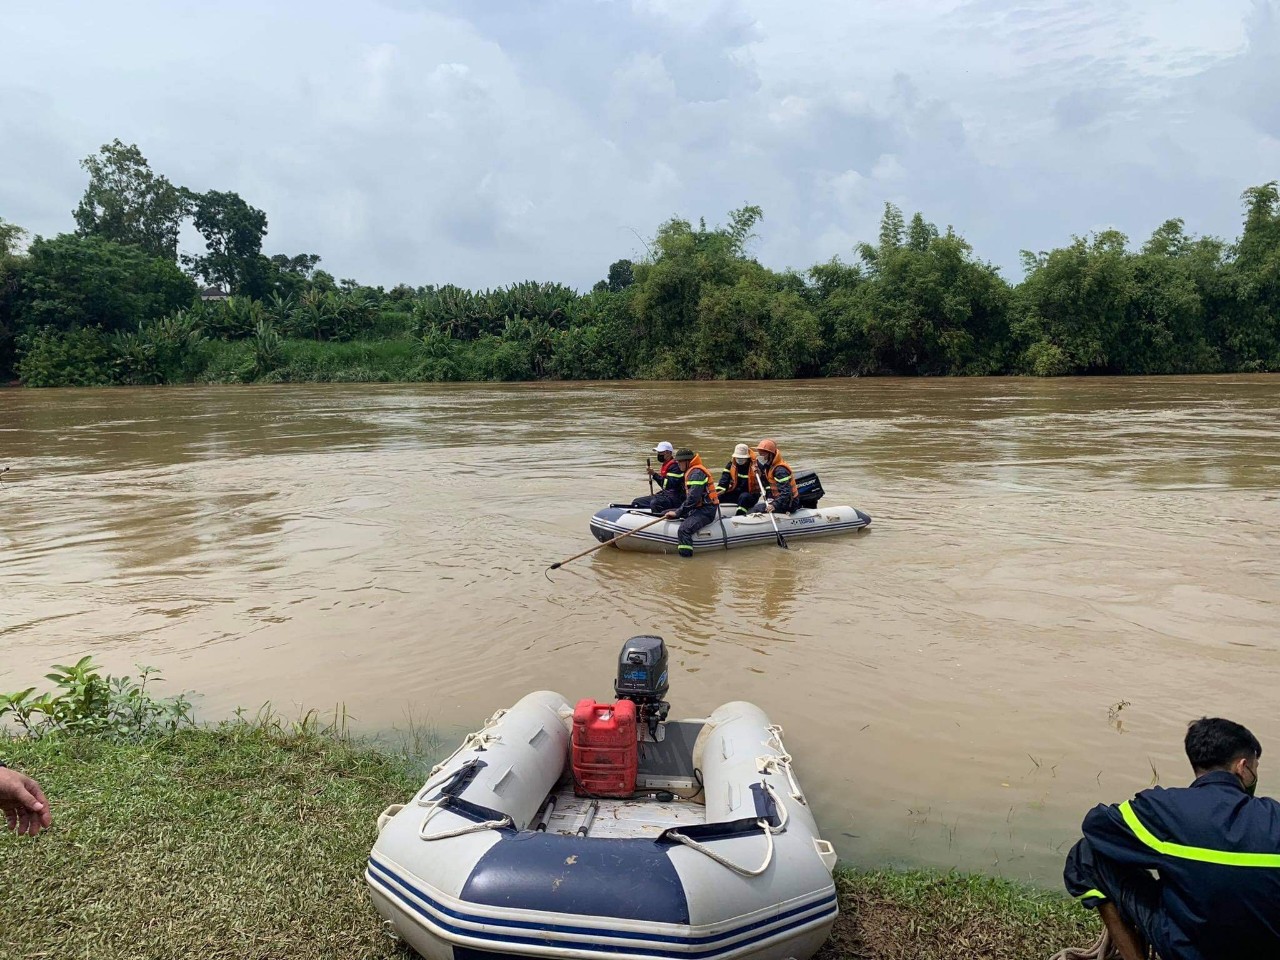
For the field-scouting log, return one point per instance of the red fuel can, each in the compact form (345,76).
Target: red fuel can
(605,748)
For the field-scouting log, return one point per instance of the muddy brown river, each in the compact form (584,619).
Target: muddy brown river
(1060,574)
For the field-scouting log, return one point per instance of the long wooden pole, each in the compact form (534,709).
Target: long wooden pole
(611,540)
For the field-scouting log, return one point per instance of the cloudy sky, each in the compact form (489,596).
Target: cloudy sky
(491,141)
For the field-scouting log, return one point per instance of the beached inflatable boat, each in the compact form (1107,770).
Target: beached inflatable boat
(728,532)
(510,850)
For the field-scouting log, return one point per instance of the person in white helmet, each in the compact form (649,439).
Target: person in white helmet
(738,483)
(670,479)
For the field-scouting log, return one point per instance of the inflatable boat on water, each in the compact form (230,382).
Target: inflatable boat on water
(728,532)
(731,530)
(605,831)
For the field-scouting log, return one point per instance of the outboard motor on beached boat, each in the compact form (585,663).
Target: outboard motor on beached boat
(559,832)
(642,679)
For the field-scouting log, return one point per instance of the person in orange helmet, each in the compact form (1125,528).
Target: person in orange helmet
(779,482)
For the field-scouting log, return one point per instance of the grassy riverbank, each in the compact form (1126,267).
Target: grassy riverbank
(249,841)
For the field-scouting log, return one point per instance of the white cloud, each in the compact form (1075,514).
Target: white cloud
(487,143)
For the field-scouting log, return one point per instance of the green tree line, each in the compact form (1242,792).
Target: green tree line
(115,303)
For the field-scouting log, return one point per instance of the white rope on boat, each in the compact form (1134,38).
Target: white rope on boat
(725,862)
(771,764)
(480,740)
(768,831)
(434,807)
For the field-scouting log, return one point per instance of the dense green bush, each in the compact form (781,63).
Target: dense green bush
(90,311)
(172,349)
(76,358)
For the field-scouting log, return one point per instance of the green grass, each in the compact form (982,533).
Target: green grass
(923,915)
(239,843)
(250,840)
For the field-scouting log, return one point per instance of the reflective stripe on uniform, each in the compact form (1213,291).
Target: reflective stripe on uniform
(1203,854)
(1092,893)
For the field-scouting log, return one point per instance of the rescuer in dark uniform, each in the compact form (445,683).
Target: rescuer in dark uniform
(701,503)
(670,478)
(782,495)
(1214,845)
(738,483)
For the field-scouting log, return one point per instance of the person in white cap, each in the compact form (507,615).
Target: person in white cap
(738,482)
(670,480)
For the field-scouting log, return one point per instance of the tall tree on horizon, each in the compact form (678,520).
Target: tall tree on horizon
(127,202)
(233,232)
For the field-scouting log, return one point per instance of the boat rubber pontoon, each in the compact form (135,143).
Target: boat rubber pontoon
(712,855)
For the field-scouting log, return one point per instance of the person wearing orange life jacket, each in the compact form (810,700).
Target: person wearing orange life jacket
(670,478)
(701,503)
(782,495)
(738,481)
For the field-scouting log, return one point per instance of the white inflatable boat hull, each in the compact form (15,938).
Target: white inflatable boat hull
(728,532)
(488,874)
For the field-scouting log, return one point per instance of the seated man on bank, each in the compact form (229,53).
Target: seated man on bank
(1214,846)
(701,504)
(670,479)
(779,483)
(738,481)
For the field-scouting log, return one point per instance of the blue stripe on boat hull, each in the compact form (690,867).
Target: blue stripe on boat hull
(544,935)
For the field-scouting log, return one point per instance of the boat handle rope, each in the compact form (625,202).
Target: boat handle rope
(782,761)
(765,827)
(480,740)
(436,805)
(449,785)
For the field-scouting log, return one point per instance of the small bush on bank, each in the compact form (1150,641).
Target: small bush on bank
(87,702)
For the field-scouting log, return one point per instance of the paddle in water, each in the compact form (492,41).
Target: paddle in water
(760,479)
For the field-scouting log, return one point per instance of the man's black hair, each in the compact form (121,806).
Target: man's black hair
(1214,743)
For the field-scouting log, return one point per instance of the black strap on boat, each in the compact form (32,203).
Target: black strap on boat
(473,811)
(449,795)
(462,778)
(766,804)
(703,832)
(766,810)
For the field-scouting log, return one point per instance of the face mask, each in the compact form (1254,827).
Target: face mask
(1252,788)
(740,461)
(762,461)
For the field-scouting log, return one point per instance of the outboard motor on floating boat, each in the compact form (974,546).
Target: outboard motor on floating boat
(809,487)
